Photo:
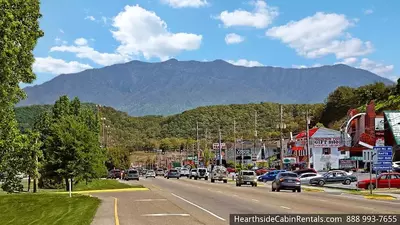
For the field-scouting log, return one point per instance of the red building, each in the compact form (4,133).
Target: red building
(365,129)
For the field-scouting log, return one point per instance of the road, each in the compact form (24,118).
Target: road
(185,201)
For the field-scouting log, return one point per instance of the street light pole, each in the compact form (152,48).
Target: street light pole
(281,134)
(234,141)
(308,142)
(220,147)
(197,140)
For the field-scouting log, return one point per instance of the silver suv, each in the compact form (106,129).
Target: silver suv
(219,173)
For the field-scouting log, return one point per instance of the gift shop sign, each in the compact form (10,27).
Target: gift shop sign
(326,142)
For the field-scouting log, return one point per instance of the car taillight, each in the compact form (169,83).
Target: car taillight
(281,179)
(297,179)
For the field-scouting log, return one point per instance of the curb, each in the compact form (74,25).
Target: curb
(313,190)
(380,197)
(106,190)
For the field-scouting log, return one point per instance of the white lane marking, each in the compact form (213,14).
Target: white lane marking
(205,210)
(255,200)
(219,191)
(150,200)
(236,195)
(165,214)
(285,207)
(321,200)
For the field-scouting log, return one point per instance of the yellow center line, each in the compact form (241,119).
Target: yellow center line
(116,211)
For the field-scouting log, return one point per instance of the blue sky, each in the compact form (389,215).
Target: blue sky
(95,33)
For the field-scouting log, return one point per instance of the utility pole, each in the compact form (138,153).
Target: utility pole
(281,134)
(308,141)
(255,133)
(234,141)
(197,140)
(241,164)
(220,146)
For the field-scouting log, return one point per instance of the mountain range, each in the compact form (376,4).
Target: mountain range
(170,87)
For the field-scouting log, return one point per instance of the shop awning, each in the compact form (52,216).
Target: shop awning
(393,119)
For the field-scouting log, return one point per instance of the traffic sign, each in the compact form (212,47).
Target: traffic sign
(216,146)
(359,158)
(384,158)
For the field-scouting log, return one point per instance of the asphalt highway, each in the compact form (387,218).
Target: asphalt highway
(185,201)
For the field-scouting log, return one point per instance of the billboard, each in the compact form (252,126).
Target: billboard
(330,142)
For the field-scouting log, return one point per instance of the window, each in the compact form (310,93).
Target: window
(248,173)
(326,151)
(342,152)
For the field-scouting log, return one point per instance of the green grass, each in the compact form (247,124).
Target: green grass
(367,193)
(47,208)
(103,185)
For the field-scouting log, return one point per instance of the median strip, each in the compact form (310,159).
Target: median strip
(103,191)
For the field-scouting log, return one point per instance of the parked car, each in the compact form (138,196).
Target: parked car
(286,181)
(333,177)
(269,176)
(160,172)
(143,172)
(246,177)
(150,173)
(219,173)
(306,177)
(396,166)
(166,173)
(114,174)
(184,172)
(132,175)
(201,173)
(383,181)
(307,170)
(261,171)
(173,174)
(230,170)
(192,173)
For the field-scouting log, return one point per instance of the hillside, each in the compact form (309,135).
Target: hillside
(171,87)
(149,131)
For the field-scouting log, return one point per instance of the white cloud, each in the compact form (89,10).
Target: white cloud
(90,18)
(186,3)
(304,66)
(375,67)
(84,51)
(348,61)
(260,17)
(233,38)
(61,31)
(320,35)
(104,19)
(58,66)
(245,62)
(143,32)
(368,11)
(81,41)
(59,41)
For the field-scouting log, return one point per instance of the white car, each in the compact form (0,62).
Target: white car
(306,177)
(184,172)
(396,166)
(192,173)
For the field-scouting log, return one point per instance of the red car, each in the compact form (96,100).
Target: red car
(230,170)
(383,181)
(261,171)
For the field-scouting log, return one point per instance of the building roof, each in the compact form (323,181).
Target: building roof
(393,119)
(319,133)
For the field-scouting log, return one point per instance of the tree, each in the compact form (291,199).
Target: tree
(18,37)
(31,155)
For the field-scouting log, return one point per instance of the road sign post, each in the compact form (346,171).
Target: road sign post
(383,160)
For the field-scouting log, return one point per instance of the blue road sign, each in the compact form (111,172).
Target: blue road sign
(384,158)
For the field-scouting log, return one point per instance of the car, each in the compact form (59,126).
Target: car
(132,175)
(166,173)
(261,171)
(143,172)
(286,181)
(114,174)
(306,170)
(333,177)
(192,173)
(396,166)
(150,173)
(306,177)
(246,177)
(160,172)
(382,181)
(219,173)
(184,172)
(269,176)
(201,173)
(231,170)
(173,174)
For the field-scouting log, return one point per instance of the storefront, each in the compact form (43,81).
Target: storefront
(324,152)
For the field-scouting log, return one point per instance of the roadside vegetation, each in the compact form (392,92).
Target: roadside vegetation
(47,208)
(103,185)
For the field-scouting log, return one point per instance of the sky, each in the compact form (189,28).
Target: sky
(81,35)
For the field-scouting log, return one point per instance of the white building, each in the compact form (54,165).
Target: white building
(324,148)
